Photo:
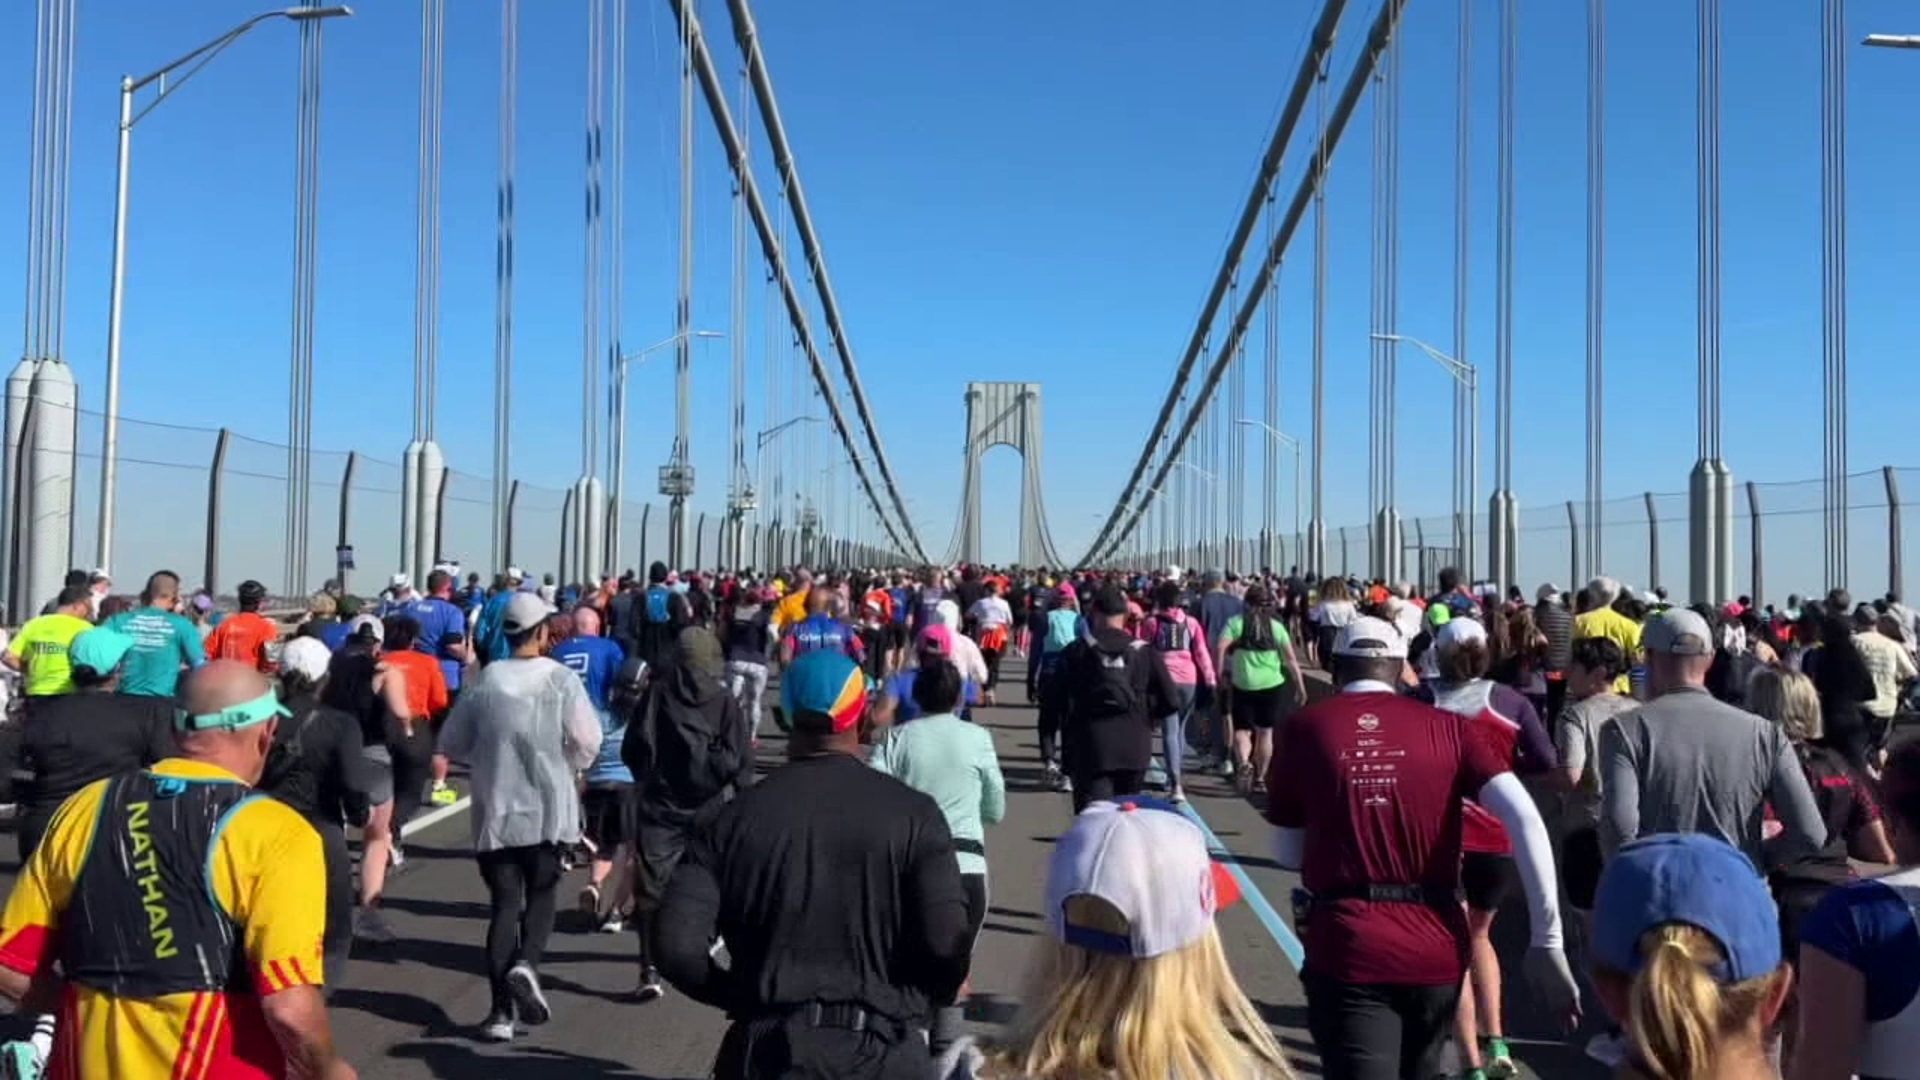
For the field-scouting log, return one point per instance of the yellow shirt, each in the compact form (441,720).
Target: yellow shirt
(42,645)
(267,873)
(1624,632)
(791,609)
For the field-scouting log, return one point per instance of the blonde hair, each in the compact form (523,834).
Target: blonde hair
(1180,1014)
(1787,698)
(1679,1016)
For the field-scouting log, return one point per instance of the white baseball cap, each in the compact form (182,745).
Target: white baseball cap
(368,625)
(1146,861)
(1371,639)
(307,657)
(1459,631)
(514,574)
(399,581)
(1174,573)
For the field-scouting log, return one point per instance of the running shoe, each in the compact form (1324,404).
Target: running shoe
(590,899)
(1499,1057)
(443,794)
(1609,1048)
(396,856)
(651,988)
(613,924)
(527,995)
(20,1061)
(1227,769)
(1177,796)
(1051,776)
(371,926)
(498,1027)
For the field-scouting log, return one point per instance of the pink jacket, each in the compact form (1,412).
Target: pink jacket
(1191,666)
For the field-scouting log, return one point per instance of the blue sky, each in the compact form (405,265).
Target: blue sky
(1005,191)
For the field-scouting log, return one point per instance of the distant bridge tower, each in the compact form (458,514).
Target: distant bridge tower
(1005,414)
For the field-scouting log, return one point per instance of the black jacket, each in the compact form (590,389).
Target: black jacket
(67,741)
(1095,737)
(316,765)
(686,744)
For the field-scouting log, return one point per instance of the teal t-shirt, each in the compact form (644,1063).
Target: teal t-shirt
(163,641)
(1257,669)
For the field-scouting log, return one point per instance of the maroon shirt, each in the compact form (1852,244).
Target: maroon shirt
(1377,782)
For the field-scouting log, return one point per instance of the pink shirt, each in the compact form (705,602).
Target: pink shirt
(1189,666)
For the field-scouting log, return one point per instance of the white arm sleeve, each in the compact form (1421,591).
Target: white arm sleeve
(1507,799)
(1289,847)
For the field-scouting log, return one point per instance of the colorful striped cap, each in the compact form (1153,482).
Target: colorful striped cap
(824,683)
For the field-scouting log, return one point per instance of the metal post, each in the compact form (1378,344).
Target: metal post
(1573,547)
(567,525)
(215,474)
(646,511)
(1894,567)
(513,504)
(110,434)
(1653,544)
(1753,525)
(440,519)
(343,537)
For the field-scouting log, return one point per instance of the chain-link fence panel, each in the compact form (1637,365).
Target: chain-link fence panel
(537,518)
(324,473)
(466,522)
(373,523)
(160,505)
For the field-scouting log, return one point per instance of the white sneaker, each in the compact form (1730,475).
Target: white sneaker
(497,1028)
(1610,1048)
(528,995)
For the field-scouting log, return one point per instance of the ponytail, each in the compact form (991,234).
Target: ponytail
(1679,1013)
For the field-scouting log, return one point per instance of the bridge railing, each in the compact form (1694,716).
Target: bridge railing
(1643,540)
(185,490)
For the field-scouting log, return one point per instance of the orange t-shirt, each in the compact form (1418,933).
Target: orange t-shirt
(243,636)
(426,685)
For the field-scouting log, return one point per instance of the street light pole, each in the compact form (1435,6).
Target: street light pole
(1468,376)
(1292,444)
(619,439)
(116,292)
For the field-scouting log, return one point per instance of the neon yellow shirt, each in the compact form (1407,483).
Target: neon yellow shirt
(42,647)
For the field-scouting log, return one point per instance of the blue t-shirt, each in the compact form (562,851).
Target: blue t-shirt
(900,688)
(596,660)
(488,634)
(438,619)
(902,596)
(334,634)
(163,641)
(823,631)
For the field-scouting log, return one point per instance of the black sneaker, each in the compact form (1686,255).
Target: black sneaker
(527,995)
(371,926)
(651,988)
(497,1027)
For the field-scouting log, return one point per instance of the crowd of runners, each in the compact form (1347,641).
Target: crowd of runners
(1717,794)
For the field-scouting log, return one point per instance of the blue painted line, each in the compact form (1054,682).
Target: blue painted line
(1256,901)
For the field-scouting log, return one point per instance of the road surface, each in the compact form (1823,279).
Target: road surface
(406,1011)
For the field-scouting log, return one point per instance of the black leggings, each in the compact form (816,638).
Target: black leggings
(1110,784)
(336,941)
(521,887)
(992,657)
(1379,1031)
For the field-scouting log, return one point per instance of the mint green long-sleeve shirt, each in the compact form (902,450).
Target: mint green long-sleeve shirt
(952,760)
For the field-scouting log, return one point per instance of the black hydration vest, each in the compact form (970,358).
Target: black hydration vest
(144,920)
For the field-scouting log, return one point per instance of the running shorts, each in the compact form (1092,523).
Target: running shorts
(1258,710)
(1487,879)
(605,811)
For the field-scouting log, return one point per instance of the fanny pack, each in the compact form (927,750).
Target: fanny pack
(967,845)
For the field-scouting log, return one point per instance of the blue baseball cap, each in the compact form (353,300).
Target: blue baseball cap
(1687,878)
(101,648)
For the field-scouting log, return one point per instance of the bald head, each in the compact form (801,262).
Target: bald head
(215,687)
(586,622)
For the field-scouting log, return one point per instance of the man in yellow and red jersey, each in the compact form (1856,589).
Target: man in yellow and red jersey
(216,894)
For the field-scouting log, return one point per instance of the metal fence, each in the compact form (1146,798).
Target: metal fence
(1777,541)
(211,505)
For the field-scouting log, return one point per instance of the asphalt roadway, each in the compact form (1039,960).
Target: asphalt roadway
(407,1011)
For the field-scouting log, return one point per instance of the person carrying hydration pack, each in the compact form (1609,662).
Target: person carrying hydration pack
(1064,627)
(652,628)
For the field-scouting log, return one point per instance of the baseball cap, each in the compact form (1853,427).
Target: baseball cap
(937,639)
(1144,860)
(1067,591)
(367,626)
(101,648)
(1460,631)
(1547,592)
(1678,632)
(399,581)
(514,573)
(825,684)
(1689,878)
(1174,572)
(1371,639)
(306,657)
(525,610)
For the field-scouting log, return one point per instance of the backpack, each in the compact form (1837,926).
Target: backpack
(1172,634)
(1063,626)
(656,609)
(1111,692)
(930,598)
(700,764)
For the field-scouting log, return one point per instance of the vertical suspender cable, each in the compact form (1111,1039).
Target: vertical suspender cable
(683,306)
(739,482)
(1316,556)
(503,279)
(616,197)
(1463,419)
(1833,273)
(1596,279)
(590,357)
